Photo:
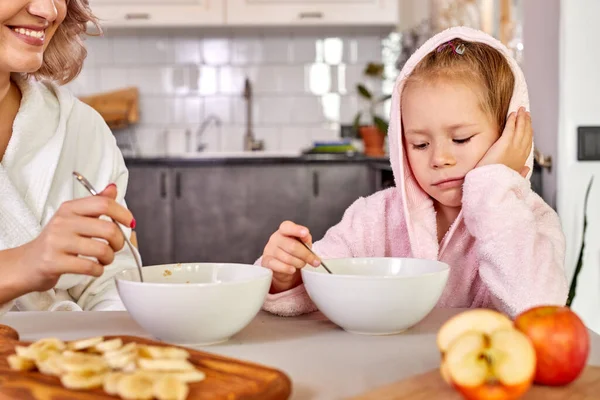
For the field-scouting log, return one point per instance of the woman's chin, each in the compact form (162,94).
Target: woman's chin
(26,65)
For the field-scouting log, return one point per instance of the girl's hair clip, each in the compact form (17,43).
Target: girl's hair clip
(460,49)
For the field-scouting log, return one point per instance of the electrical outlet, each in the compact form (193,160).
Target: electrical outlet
(588,143)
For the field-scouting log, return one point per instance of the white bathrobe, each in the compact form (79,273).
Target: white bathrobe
(55,134)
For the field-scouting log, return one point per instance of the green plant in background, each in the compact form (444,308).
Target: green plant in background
(373,71)
(580,258)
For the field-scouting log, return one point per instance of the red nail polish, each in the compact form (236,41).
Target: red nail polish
(132,225)
(111,184)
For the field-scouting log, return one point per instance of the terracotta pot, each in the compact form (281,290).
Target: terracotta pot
(373,140)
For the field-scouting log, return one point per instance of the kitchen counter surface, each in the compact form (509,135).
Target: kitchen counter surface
(323,361)
(254,158)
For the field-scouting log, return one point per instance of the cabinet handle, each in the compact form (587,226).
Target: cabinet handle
(178,184)
(310,15)
(131,16)
(163,185)
(316,184)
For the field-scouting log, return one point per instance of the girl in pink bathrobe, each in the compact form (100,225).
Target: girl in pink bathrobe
(461,148)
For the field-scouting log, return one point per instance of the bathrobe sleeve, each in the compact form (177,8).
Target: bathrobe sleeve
(106,166)
(518,238)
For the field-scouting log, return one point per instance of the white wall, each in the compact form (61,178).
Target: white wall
(540,65)
(580,105)
(412,13)
(304,83)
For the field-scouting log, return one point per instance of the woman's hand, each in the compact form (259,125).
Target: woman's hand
(72,232)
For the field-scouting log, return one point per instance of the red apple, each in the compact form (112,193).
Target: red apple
(561,341)
(498,366)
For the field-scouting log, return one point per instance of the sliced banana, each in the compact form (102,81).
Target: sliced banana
(19,363)
(51,365)
(163,352)
(189,376)
(135,386)
(111,382)
(49,344)
(109,345)
(85,343)
(82,363)
(82,381)
(131,367)
(24,352)
(130,371)
(129,348)
(165,365)
(170,388)
(120,361)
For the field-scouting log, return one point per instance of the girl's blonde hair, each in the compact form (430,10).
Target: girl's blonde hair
(472,62)
(63,58)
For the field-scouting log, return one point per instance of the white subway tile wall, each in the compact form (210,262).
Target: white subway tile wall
(304,86)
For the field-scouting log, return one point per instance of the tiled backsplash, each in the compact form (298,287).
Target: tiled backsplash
(304,86)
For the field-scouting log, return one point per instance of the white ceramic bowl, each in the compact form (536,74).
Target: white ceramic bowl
(376,296)
(194,304)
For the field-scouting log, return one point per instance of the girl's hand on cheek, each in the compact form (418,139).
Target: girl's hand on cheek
(514,146)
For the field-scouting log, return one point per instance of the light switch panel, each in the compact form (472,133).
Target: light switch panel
(588,143)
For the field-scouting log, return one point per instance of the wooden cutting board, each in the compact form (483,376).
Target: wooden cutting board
(431,386)
(118,108)
(226,378)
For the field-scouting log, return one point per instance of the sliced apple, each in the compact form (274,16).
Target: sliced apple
(477,320)
(444,372)
(499,366)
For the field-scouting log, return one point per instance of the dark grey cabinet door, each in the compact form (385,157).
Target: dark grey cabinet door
(148,198)
(273,194)
(227,213)
(333,188)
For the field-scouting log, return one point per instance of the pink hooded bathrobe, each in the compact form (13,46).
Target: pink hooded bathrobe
(506,248)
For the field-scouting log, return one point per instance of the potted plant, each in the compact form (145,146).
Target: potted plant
(374,132)
(573,286)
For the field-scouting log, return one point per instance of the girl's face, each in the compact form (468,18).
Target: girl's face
(26,28)
(446,134)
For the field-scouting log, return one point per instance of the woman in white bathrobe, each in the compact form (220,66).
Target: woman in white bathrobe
(50,258)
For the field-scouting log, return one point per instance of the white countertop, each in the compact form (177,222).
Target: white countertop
(323,361)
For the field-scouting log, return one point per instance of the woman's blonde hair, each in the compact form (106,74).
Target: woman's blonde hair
(63,58)
(472,62)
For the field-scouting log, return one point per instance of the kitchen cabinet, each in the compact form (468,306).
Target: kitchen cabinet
(312,12)
(148,199)
(333,189)
(155,13)
(227,213)
(273,194)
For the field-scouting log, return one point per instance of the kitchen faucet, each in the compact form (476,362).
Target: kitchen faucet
(202,128)
(250,142)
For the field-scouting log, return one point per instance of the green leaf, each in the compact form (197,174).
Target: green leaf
(356,123)
(383,99)
(374,69)
(573,287)
(363,91)
(380,124)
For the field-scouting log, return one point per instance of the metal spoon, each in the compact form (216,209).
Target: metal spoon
(309,249)
(93,192)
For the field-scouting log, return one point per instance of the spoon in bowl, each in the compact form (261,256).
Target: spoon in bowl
(93,192)
(309,249)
